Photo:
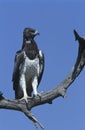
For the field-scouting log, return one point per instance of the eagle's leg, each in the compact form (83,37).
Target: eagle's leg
(23,87)
(25,97)
(35,86)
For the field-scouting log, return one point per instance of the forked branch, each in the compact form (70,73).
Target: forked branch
(48,97)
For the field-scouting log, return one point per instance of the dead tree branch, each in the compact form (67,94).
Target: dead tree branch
(48,97)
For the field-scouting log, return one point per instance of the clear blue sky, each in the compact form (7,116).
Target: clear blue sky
(55,20)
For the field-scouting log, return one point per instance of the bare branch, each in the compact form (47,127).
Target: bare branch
(47,97)
(19,106)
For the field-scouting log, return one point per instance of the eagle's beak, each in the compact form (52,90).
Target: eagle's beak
(36,33)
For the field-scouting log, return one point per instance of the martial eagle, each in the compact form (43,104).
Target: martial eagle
(28,66)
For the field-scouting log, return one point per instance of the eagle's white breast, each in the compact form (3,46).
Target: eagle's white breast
(30,68)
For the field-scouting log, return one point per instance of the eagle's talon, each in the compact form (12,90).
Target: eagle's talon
(37,95)
(25,99)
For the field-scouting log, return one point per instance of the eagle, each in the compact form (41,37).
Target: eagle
(28,67)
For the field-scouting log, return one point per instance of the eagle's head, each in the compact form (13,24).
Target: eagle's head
(29,33)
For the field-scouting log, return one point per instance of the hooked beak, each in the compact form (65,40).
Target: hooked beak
(36,33)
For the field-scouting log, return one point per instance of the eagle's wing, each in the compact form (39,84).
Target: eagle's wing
(19,58)
(41,64)
(17,63)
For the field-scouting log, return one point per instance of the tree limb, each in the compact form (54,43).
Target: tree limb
(48,97)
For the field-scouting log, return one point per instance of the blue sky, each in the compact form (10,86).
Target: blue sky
(55,20)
